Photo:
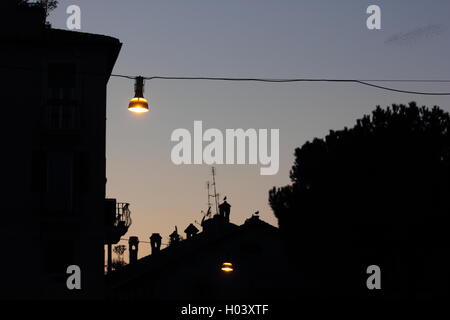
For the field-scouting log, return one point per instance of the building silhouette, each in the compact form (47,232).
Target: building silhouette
(192,269)
(53,97)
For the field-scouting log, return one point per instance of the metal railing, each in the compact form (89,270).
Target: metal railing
(123,214)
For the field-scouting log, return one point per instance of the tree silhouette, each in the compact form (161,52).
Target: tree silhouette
(119,250)
(376,192)
(46,5)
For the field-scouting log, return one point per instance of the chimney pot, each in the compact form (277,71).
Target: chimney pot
(155,242)
(133,246)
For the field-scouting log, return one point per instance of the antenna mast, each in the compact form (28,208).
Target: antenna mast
(209,194)
(215,195)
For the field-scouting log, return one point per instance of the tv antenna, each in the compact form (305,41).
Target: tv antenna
(215,195)
(208,187)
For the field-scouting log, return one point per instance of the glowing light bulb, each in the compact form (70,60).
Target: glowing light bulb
(227,267)
(138,104)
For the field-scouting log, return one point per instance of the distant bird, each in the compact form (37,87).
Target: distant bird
(225,198)
(257,212)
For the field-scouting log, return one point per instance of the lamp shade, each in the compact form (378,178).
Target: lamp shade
(138,104)
(227,267)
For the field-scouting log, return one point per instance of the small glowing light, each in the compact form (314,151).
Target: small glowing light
(138,104)
(227,267)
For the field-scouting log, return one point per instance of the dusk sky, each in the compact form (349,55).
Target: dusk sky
(270,39)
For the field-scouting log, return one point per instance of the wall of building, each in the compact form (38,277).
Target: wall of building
(54,161)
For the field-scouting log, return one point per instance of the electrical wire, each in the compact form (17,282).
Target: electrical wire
(272,80)
(365,82)
(124,239)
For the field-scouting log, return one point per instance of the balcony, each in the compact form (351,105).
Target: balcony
(117,220)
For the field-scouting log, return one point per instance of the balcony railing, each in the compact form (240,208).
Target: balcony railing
(117,220)
(123,215)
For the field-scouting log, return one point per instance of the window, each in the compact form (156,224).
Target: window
(62,105)
(63,116)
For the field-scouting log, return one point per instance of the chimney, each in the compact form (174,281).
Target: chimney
(174,237)
(133,244)
(190,231)
(224,210)
(155,242)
